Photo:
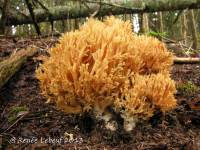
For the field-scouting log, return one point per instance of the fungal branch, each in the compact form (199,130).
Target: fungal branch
(105,69)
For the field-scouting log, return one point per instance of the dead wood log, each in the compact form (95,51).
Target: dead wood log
(87,8)
(186,60)
(11,65)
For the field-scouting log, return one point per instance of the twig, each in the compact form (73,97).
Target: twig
(45,8)
(173,41)
(177,17)
(97,11)
(15,122)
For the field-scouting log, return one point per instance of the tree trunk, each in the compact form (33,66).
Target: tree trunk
(160,23)
(4,16)
(11,65)
(76,23)
(184,27)
(30,8)
(144,23)
(193,28)
(120,7)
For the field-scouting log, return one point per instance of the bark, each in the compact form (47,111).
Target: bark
(193,28)
(120,7)
(144,23)
(63,26)
(182,60)
(184,27)
(30,8)
(160,23)
(4,16)
(11,65)
(76,23)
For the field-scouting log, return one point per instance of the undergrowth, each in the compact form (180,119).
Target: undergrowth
(188,88)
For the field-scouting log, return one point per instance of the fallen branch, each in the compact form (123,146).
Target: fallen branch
(186,60)
(11,65)
(107,8)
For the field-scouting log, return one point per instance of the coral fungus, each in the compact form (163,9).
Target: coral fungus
(104,65)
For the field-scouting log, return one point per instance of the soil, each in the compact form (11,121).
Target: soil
(178,129)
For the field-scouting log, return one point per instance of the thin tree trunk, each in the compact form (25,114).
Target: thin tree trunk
(160,23)
(184,27)
(76,23)
(63,25)
(30,8)
(193,29)
(4,16)
(144,23)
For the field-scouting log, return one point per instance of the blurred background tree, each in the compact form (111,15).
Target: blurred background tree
(47,17)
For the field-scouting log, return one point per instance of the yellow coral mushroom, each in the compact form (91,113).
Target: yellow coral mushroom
(103,64)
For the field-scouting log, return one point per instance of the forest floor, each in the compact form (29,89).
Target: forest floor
(25,116)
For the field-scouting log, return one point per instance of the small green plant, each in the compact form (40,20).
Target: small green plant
(14,112)
(191,52)
(187,88)
(157,34)
(188,52)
